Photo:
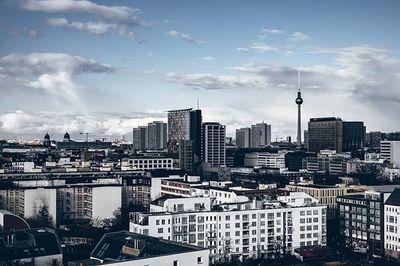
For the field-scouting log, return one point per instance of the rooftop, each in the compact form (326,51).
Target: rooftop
(125,246)
(394,198)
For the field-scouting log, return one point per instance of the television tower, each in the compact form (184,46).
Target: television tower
(299,101)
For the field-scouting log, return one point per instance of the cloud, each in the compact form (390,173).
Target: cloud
(299,36)
(267,32)
(262,47)
(33,33)
(35,124)
(117,13)
(212,82)
(92,27)
(183,36)
(121,19)
(49,73)
(208,58)
(242,49)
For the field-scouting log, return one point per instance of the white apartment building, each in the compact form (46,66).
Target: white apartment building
(146,163)
(390,150)
(242,229)
(265,159)
(22,167)
(392,225)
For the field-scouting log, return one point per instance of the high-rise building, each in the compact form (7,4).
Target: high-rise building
(353,136)
(195,135)
(260,135)
(243,137)
(390,151)
(156,135)
(140,138)
(330,133)
(214,149)
(306,146)
(184,124)
(325,134)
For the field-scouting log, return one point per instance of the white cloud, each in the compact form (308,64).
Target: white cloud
(267,32)
(299,36)
(117,13)
(35,124)
(183,36)
(92,27)
(208,58)
(213,82)
(49,73)
(262,47)
(121,19)
(242,49)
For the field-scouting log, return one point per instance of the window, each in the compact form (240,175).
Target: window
(176,263)
(199,260)
(160,230)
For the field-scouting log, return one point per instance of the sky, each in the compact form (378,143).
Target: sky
(104,67)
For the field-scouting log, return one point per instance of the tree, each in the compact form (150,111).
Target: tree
(41,219)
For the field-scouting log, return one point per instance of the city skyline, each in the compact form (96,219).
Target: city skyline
(104,68)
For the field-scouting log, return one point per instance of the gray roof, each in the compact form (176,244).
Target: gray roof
(394,198)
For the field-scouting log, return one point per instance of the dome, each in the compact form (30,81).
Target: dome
(66,135)
(47,136)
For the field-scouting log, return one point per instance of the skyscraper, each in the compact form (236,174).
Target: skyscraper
(140,138)
(299,102)
(213,148)
(260,135)
(185,125)
(243,137)
(156,135)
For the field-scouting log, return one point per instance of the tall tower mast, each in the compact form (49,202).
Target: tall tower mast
(299,101)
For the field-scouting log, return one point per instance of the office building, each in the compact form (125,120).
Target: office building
(260,135)
(265,159)
(140,138)
(243,137)
(390,151)
(373,139)
(325,134)
(213,144)
(156,135)
(332,133)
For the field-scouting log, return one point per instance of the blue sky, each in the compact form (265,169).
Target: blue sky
(107,66)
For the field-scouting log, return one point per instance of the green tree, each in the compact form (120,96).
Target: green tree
(41,219)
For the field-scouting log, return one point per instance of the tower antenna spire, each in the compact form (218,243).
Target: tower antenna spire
(198,103)
(298,79)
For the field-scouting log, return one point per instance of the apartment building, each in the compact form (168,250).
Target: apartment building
(241,230)
(265,159)
(392,225)
(146,163)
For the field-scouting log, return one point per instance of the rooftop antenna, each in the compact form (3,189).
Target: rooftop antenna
(298,79)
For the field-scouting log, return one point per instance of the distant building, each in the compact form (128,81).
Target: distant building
(334,134)
(214,147)
(390,151)
(265,159)
(146,163)
(140,138)
(38,246)
(125,248)
(46,140)
(373,139)
(156,135)
(185,125)
(260,135)
(329,162)
(243,137)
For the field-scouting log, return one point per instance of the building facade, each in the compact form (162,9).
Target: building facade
(260,135)
(214,147)
(243,137)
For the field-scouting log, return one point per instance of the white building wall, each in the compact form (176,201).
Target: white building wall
(392,230)
(35,199)
(155,190)
(105,200)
